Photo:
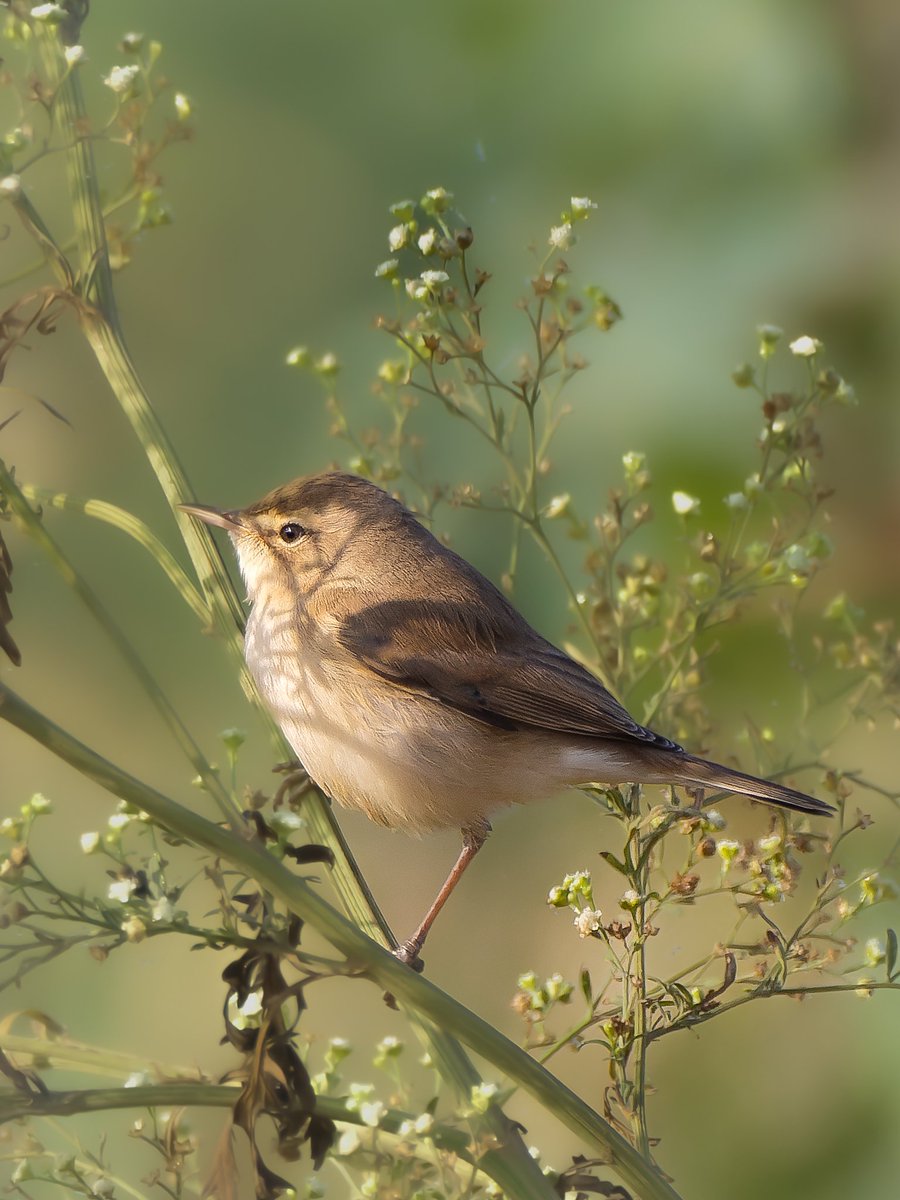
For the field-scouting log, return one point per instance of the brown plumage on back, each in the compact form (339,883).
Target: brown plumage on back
(411,688)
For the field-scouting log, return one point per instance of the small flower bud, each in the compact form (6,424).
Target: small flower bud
(90,842)
(182,106)
(743,376)
(132,43)
(327,365)
(74,55)
(582,207)
(298,357)
(769,337)
(134,929)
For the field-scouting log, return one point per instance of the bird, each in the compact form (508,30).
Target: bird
(412,689)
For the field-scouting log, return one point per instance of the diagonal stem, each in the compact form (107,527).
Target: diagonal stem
(417,994)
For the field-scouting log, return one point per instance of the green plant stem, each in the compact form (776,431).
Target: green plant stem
(695,1019)
(34,527)
(128,523)
(18,1105)
(371,959)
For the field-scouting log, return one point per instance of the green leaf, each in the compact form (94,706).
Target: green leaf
(586,989)
(890,953)
(614,862)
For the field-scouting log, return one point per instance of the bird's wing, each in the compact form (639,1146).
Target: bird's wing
(492,666)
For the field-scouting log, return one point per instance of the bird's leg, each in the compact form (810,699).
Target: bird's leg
(474,837)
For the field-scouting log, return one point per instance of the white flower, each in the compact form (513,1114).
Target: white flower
(434,278)
(713,819)
(119,820)
(440,198)
(47,12)
(371,1113)
(246,1015)
(482,1094)
(728,851)
(90,842)
(40,804)
(10,186)
(684,504)
(805,346)
(561,236)
(74,55)
(163,909)
(138,1079)
(349,1142)
(121,79)
(558,506)
(797,558)
(736,500)
(428,241)
(581,205)
(770,844)
(298,357)
(587,921)
(387,269)
(424,1123)
(284,822)
(416,289)
(398,237)
(875,951)
(182,106)
(121,889)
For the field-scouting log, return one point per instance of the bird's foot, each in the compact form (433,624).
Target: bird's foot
(408,952)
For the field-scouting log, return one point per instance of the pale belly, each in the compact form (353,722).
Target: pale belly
(408,761)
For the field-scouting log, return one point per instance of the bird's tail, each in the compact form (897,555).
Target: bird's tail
(686,769)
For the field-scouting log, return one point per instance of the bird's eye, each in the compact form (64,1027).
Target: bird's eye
(292,532)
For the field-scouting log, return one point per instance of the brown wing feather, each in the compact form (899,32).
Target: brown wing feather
(485,660)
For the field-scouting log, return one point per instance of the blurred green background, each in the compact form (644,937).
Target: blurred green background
(745,157)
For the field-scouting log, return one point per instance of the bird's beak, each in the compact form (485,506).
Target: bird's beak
(213,516)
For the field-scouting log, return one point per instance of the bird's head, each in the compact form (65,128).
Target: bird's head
(323,527)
